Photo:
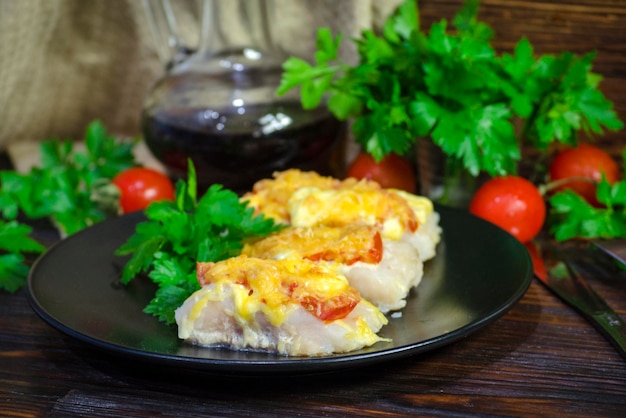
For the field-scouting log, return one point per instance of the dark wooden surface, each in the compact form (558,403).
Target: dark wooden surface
(540,359)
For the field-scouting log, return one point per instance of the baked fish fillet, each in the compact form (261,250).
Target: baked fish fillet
(290,307)
(383,270)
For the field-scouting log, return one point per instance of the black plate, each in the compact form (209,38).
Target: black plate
(479,273)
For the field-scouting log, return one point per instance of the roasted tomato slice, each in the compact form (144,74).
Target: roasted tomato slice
(331,309)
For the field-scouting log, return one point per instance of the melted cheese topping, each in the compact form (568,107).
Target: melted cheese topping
(307,199)
(422,206)
(275,287)
(347,245)
(270,196)
(311,206)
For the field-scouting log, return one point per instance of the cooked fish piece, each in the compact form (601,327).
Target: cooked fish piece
(382,270)
(291,307)
(428,234)
(388,283)
(400,215)
(314,206)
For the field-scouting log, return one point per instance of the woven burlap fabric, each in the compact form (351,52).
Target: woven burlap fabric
(64,63)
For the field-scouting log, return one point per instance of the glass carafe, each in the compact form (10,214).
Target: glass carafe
(218,106)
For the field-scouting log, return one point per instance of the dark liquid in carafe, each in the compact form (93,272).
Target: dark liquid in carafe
(236,150)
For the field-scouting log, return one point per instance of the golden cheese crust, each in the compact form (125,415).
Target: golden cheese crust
(347,245)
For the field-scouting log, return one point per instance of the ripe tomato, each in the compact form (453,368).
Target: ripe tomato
(140,186)
(584,161)
(392,171)
(513,203)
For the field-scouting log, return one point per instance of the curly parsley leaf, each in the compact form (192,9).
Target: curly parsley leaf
(67,187)
(176,235)
(573,217)
(372,88)
(15,242)
(176,279)
(409,84)
(314,80)
(483,141)
(564,93)
(406,21)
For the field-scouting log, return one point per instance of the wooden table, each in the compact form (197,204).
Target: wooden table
(541,358)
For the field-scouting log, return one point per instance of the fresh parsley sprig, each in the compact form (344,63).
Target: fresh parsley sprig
(15,243)
(69,185)
(573,217)
(178,234)
(411,84)
(557,96)
(452,86)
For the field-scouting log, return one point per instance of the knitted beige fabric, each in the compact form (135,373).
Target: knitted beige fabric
(64,63)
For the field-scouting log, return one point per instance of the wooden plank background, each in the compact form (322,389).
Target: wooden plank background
(553,26)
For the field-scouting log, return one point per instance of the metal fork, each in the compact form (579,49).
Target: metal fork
(566,282)
(614,248)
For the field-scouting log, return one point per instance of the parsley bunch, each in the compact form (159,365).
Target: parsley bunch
(179,234)
(15,242)
(451,86)
(557,96)
(71,188)
(574,217)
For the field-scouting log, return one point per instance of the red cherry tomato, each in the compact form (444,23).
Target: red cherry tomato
(392,171)
(141,186)
(583,161)
(513,203)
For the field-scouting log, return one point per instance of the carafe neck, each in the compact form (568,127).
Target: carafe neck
(234,36)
